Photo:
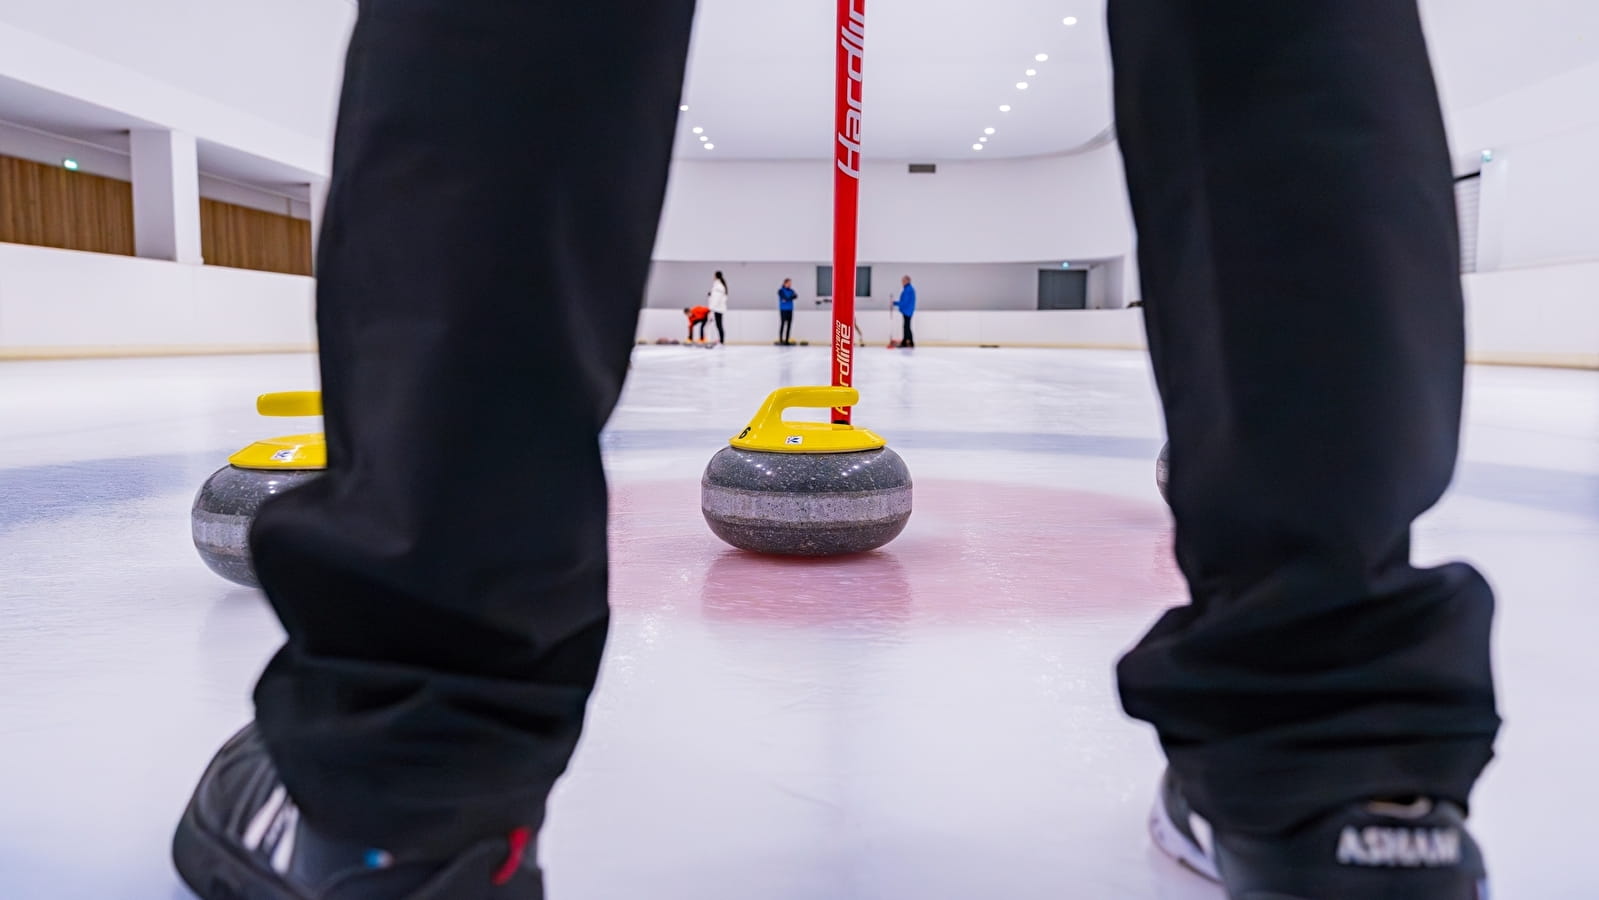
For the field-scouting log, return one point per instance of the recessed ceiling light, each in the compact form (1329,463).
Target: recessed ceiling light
(1004,107)
(70,165)
(1042,57)
(703,138)
(1021,85)
(699,131)
(710,146)
(683,108)
(1031,72)
(988,131)
(1069,20)
(977,146)
(983,140)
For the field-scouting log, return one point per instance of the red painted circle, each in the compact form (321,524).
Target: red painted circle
(973,551)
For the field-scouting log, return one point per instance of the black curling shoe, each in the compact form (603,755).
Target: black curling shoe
(1367,851)
(242,838)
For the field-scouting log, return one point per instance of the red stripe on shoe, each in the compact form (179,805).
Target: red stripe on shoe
(518,840)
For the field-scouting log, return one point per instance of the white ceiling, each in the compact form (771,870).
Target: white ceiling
(760,74)
(761,78)
(761,71)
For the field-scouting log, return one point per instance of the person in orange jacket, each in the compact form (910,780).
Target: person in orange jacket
(698,315)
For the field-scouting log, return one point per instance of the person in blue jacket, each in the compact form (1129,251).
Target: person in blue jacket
(907,308)
(785,311)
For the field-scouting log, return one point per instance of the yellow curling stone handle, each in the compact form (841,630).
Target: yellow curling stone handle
(768,432)
(296,451)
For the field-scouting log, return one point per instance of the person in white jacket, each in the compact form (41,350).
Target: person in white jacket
(718,304)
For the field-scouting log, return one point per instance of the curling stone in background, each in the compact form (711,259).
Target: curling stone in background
(227,503)
(1162,465)
(806,488)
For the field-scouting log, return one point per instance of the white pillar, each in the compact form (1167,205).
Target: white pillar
(319,204)
(166,196)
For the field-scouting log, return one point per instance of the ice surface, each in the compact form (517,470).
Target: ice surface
(937,720)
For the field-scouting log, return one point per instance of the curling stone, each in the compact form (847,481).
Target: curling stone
(806,488)
(227,503)
(1162,465)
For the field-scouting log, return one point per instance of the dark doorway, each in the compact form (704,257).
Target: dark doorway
(824,281)
(1062,288)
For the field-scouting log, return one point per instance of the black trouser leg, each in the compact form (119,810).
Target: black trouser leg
(721,336)
(444,586)
(1297,238)
(908,341)
(786,328)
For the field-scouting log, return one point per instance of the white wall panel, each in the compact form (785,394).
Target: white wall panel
(62,301)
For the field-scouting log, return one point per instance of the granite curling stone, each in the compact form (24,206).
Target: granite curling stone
(224,510)
(1162,468)
(806,488)
(226,505)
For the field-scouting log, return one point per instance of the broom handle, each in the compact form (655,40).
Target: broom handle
(847,191)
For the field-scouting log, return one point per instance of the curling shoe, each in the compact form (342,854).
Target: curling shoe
(1415,850)
(242,838)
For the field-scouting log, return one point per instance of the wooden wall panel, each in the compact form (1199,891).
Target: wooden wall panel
(242,238)
(50,206)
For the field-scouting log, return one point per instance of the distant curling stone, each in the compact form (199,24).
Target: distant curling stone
(806,488)
(1162,466)
(226,505)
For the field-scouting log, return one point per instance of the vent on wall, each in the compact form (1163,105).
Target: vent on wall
(923,169)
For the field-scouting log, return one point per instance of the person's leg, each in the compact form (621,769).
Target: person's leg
(721,336)
(1297,239)
(906,341)
(444,631)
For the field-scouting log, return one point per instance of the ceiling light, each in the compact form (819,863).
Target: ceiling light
(683,108)
(1069,20)
(1021,85)
(977,146)
(710,146)
(1042,57)
(704,138)
(1031,72)
(983,140)
(1004,107)
(1487,157)
(699,130)
(70,165)
(988,131)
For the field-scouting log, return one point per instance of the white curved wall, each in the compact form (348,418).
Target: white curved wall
(1059,207)
(1542,190)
